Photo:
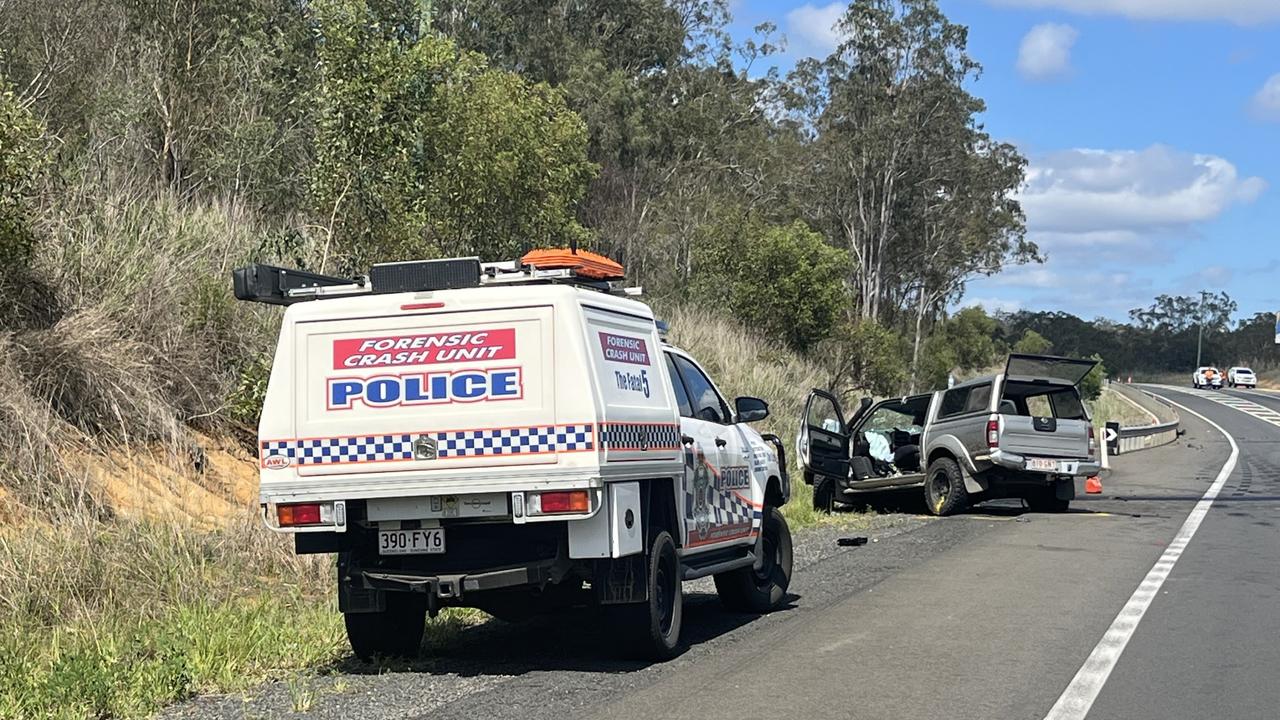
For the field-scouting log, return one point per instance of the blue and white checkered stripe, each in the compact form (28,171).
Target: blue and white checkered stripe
(731,510)
(515,441)
(324,451)
(449,444)
(640,436)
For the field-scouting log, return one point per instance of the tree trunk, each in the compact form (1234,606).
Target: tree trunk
(915,346)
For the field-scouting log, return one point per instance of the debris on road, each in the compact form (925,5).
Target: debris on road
(851,541)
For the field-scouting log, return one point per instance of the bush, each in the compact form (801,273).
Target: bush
(864,357)
(1091,385)
(21,160)
(782,280)
(423,150)
(1032,343)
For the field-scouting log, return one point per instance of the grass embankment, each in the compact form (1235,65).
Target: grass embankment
(1111,406)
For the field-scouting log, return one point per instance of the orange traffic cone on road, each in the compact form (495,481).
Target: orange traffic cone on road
(1093,485)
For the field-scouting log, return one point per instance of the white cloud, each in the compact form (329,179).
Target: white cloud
(1211,277)
(992,304)
(1266,102)
(1106,192)
(1242,12)
(1045,52)
(1105,218)
(812,28)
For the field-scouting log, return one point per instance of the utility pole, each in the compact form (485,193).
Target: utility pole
(1200,325)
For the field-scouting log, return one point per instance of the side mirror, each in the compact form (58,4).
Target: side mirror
(750,409)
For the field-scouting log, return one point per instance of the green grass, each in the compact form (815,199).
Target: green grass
(117,618)
(120,666)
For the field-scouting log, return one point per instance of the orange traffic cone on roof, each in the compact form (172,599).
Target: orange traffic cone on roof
(1093,485)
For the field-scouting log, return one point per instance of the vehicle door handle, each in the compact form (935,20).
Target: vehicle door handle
(686,439)
(721,442)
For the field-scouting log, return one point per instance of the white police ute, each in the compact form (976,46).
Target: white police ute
(514,437)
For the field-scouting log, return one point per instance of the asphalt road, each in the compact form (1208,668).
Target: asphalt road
(985,615)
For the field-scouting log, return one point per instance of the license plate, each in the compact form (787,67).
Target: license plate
(1063,467)
(428,541)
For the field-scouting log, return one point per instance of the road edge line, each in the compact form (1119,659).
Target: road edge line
(1077,699)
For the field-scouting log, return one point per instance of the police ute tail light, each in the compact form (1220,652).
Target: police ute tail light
(559,502)
(294,515)
(993,433)
(1093,441)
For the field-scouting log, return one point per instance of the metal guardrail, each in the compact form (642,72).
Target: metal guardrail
(1141,437)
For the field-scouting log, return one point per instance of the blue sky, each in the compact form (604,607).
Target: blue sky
(1153,131)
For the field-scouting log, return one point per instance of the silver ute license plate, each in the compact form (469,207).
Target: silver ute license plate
(426,541)
(1062,467)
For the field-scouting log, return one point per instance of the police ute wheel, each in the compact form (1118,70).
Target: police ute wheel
(944,491)
(394,632)
(652,628)
(762,589)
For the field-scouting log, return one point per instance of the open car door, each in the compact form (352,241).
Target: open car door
(1048,368)
(823,443)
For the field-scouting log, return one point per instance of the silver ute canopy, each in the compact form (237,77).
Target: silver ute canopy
(1047,368)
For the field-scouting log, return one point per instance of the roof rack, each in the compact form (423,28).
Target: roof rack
(282,286)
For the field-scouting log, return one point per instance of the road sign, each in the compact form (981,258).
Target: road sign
(1111,434)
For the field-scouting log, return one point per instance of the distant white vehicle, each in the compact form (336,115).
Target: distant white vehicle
(1241,377)
(1206,377)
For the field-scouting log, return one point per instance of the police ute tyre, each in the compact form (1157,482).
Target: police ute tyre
(944,491)
(653,627)
(760,590)
(394,632)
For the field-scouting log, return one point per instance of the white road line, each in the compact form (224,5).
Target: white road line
(1234,402)
(1078,698)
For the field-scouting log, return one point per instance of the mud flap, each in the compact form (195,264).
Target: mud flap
(353,599)
(622,580)
(1065,489)
(974,485)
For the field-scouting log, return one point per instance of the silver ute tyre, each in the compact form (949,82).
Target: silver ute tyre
(653,627)
(824,494)
(1047,501)
(944,491)
(760,590)
(394,632)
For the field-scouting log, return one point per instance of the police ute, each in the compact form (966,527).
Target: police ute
(516,437)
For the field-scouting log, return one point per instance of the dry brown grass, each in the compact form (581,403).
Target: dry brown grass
(124,338)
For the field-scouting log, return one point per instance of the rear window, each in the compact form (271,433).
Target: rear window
(971,398)
(1243,371)
(1067,405)
(1036,400)
(954,401)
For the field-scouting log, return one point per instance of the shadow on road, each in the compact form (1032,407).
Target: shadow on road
(578,640)
(911,502)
